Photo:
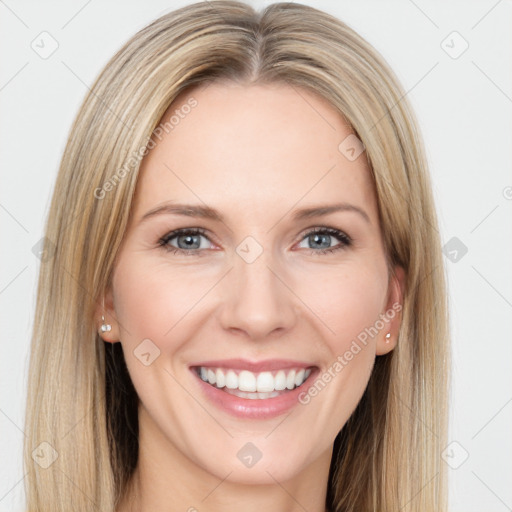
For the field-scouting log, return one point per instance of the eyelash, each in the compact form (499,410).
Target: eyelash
(345,240)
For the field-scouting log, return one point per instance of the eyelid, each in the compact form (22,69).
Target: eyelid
(164,240)
(344,239)
(325,228)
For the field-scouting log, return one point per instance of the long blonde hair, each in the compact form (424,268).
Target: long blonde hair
(80,397)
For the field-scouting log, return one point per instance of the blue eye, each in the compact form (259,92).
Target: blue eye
(189,240)
(319,236)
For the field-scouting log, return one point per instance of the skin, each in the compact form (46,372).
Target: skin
(255,153)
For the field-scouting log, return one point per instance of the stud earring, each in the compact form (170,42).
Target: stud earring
(104,327)
(388,336)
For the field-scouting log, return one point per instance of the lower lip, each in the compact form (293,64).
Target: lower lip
(259,409)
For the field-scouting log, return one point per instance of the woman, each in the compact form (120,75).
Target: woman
(199,350)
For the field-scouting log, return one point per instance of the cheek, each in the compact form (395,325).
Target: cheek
(152,305)
(150,299)
(347,302)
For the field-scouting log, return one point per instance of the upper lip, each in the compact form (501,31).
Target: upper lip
(254,366)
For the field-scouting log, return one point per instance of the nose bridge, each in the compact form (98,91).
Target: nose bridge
(253,272)
(259,302)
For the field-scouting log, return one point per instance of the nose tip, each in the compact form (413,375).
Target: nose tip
(256,301)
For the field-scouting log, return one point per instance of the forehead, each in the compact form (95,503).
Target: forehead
(253,151)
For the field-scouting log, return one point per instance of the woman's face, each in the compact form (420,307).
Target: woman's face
(254,300)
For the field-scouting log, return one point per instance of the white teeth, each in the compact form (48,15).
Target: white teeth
(246,381)
(290,380)
(265,382)
(254,385)
(280,381)
(220,378)
(252,396)
(231,380)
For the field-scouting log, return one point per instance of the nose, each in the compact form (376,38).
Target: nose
(257,300)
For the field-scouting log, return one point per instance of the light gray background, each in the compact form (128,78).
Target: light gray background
(464,107)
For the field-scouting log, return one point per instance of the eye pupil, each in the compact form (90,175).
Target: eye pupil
(317,237)
(190,240)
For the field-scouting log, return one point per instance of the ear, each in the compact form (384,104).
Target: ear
(111,336)
(392,316)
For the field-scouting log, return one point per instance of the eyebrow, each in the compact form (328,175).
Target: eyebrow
(207,212)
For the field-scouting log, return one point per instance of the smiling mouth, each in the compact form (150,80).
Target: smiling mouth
(252,385)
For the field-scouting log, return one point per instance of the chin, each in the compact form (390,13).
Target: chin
(268,469)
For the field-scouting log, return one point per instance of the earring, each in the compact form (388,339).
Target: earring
(388,336)
(104,327)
